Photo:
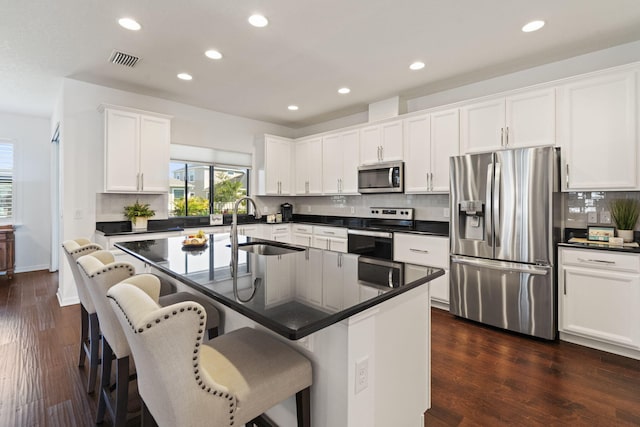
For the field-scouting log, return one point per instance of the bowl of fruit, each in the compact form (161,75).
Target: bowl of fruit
(197,240)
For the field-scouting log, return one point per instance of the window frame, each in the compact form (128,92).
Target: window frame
(12,219)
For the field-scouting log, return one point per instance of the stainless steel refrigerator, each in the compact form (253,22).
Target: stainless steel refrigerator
(503,237)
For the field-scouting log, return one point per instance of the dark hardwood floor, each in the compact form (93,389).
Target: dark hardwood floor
(480,376)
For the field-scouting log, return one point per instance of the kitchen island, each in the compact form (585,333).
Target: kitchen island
(364,323)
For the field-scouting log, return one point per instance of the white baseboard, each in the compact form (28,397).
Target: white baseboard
(69,301)
(29,268)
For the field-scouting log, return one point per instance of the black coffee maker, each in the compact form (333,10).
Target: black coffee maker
(286,209)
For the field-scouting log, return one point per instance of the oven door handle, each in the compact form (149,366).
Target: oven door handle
(382,234)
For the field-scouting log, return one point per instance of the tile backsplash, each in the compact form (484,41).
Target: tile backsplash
(581,208)
(110,206)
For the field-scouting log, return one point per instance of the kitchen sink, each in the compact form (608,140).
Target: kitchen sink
(261,248)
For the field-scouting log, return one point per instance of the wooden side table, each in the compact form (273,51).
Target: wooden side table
(7,250)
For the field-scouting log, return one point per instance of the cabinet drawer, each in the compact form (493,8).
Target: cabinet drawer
(330,231)
(423,250)
(302,228)
(600,259)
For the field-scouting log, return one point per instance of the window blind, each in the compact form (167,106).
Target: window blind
(6,180)
(188,153)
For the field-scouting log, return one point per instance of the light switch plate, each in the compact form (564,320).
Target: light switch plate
(592,217)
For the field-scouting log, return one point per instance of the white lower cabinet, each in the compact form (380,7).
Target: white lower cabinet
(599,300)
(336,269)
(278,289)
(277,232)
(426,250)
(330,238)
(309,278)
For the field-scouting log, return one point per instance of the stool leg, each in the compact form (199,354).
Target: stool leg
(303,407)
(84,334)
(94,351)
(105,378)
(122,391)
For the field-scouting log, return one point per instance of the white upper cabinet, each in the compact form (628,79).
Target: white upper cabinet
(308,166)
(381,143)
(273,157)
(598,132)
(136,151)
(521,120)
(340,163)
(429,141)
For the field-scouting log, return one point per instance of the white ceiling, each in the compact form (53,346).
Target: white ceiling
(310,49)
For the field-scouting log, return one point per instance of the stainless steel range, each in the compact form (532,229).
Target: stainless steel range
(375,238)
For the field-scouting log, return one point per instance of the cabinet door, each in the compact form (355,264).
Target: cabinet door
(601,304)
(278,286)
(370,145)
(417,154)
(445,142)
(439,288)
(482,126)
(122,157)
(391,141)
(530,119)
(320,242)
(277,166)
(338,245)
(308,167)
(598,133)
(302,239)
(155,137)
(332,281)
(349,143)
(309,278)
(332,156)
(301,175)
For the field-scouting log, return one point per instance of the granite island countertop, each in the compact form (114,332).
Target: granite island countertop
(294,294)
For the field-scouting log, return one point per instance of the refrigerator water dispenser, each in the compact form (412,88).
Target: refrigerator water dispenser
(471,219)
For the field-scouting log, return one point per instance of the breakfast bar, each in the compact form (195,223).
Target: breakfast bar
(363,322)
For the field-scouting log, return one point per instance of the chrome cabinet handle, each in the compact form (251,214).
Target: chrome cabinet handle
(502,137)
(597,261)
(421,251)
(381,152)
(506,137)
(567,177)
(142,181)
(390,278)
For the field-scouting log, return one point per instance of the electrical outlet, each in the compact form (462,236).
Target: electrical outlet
(362,374)
(353,210)
(605,217)
(592,217)
(265,209)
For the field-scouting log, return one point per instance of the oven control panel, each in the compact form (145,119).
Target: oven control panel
(391,213)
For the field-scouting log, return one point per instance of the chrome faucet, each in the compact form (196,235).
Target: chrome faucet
(234,230)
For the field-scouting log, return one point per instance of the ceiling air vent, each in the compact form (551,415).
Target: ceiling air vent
(122,58)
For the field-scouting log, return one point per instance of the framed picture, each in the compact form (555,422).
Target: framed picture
(601,234)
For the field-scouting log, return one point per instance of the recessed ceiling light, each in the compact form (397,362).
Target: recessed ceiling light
(533,26)
(293,107)
(213,54)
(417,66)
(344,90)
(185,76)
(129,24)
(258,21)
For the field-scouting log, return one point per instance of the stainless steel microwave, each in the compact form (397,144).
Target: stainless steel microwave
(381,178)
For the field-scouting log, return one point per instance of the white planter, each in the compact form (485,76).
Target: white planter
(139,223)
(627,235)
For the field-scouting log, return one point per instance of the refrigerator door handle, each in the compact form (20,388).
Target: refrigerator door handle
(501,265)
(497,199)
(488,215)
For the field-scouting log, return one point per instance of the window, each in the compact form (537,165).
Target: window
(6,180)
(228,183)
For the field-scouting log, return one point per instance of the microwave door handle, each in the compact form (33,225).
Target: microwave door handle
(497,201)
(488,215)
(391,177)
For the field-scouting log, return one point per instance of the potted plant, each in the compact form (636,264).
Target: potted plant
(138,214)
(625,214)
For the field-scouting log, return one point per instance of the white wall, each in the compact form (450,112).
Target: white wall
(82,150)
(32,203)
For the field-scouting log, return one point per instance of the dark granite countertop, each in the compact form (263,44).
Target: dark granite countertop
(113,228)
(570,233)
(286,299)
